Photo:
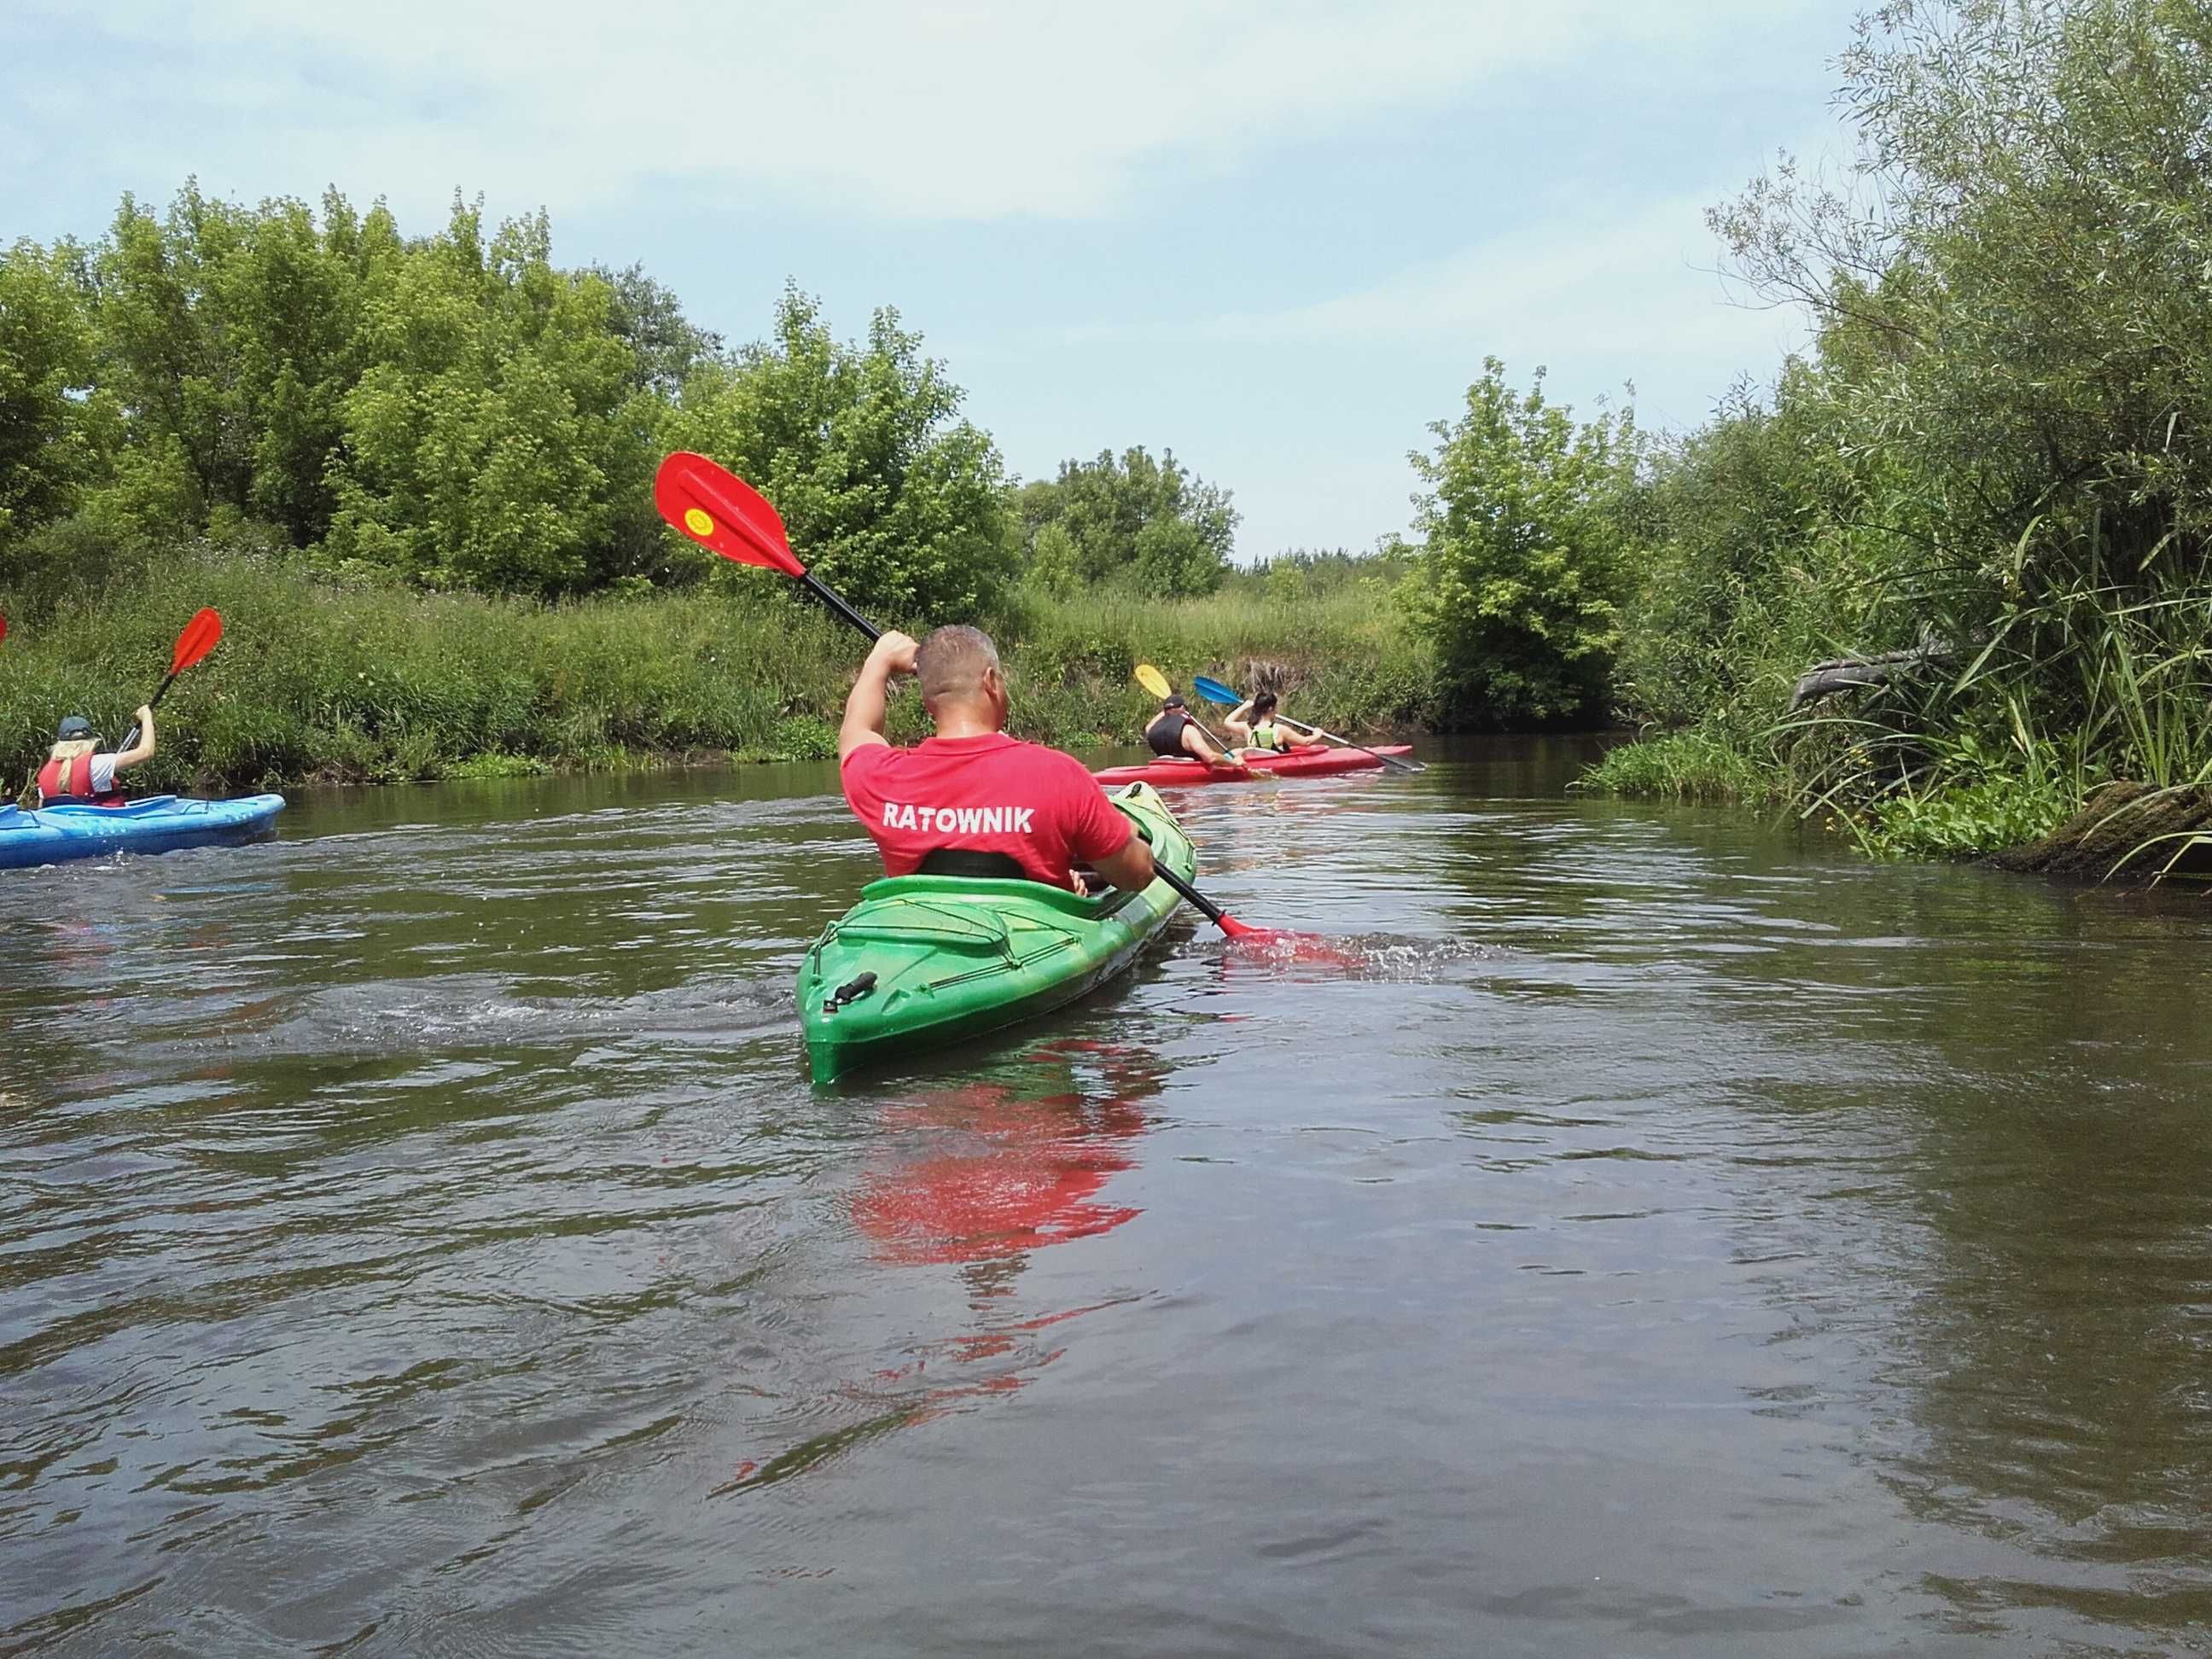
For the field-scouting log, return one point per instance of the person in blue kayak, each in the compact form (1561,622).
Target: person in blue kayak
(75,770)
(970,800)
(1173,734)
(1255,723)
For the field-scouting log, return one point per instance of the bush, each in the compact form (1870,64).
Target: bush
(1681,766)
(1526,529)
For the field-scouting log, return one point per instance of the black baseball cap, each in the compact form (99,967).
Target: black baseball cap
(75,727)
(1174,701)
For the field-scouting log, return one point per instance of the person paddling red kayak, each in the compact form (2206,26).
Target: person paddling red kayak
(1252,725)
(1172,732)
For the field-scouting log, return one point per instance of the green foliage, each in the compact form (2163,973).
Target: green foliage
(1348,660)
(1963,820)
(1997,443)
(664,345)
(1150,527)
(45,356)
(1299,574)
(458,412)
(492,764)
(894,501)
(225,340)
(361,675)
(1680,766)
(1524,516)
(499,439)
(805,737)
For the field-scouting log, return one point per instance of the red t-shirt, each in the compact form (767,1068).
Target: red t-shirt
(987,794)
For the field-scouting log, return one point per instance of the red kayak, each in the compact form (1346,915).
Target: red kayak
(1299,764)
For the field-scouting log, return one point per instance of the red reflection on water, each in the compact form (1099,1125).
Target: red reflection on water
(1004,1169)
(978,1176)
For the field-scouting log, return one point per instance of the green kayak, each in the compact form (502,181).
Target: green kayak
(924,961)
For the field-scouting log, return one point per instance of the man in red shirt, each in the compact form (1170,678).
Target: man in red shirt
(971,791)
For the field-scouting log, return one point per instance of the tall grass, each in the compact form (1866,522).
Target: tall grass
(1692,765)
(317,680)
(2045,699)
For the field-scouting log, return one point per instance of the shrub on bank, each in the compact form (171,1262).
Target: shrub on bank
(1691,765)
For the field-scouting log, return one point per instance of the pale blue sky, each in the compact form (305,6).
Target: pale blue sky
(1278,238)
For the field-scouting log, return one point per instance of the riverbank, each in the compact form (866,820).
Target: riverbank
(2028,820)
(328,681)
(1986,812)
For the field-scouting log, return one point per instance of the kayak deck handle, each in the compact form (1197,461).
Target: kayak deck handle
(851,990)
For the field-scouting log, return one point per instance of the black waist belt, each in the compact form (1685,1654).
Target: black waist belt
(962,861)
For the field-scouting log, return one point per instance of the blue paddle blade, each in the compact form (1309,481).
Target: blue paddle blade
(1212,690)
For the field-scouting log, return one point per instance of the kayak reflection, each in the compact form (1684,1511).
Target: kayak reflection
(984,1172)
(980,1176)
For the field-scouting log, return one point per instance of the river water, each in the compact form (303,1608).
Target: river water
(1660,1233)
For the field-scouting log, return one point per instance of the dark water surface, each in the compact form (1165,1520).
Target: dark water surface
(1667,1237)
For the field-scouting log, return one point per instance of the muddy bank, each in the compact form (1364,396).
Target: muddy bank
(2129,832)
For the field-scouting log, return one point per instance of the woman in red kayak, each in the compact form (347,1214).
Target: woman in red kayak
(76,770)
(1253,723)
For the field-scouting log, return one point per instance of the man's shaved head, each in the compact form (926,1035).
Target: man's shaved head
(951,666)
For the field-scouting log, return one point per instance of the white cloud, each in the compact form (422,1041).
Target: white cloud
(961,109)
(1640,290)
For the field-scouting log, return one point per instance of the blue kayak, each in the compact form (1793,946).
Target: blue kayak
(159,824)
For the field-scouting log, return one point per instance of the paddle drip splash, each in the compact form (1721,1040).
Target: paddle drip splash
(1283,945)
(1372,957)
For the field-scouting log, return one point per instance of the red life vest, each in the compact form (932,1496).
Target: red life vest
(56,777)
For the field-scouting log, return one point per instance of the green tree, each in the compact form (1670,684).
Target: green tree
(664,345)
(897,502)
(458,410)
(45,366)
(1525,520)
(1131,521)
(500,439)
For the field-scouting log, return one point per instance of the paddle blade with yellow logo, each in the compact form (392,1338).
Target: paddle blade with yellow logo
(723,513)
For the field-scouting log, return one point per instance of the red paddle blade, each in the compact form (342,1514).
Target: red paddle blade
(1284,945)
(723,513)
(3,627)
(198,638)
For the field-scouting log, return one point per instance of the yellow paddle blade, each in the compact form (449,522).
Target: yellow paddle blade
(1153,681)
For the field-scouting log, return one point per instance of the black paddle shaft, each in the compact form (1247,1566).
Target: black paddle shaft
(130,737)
(1393,761)
(1206,907)
(837,607)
